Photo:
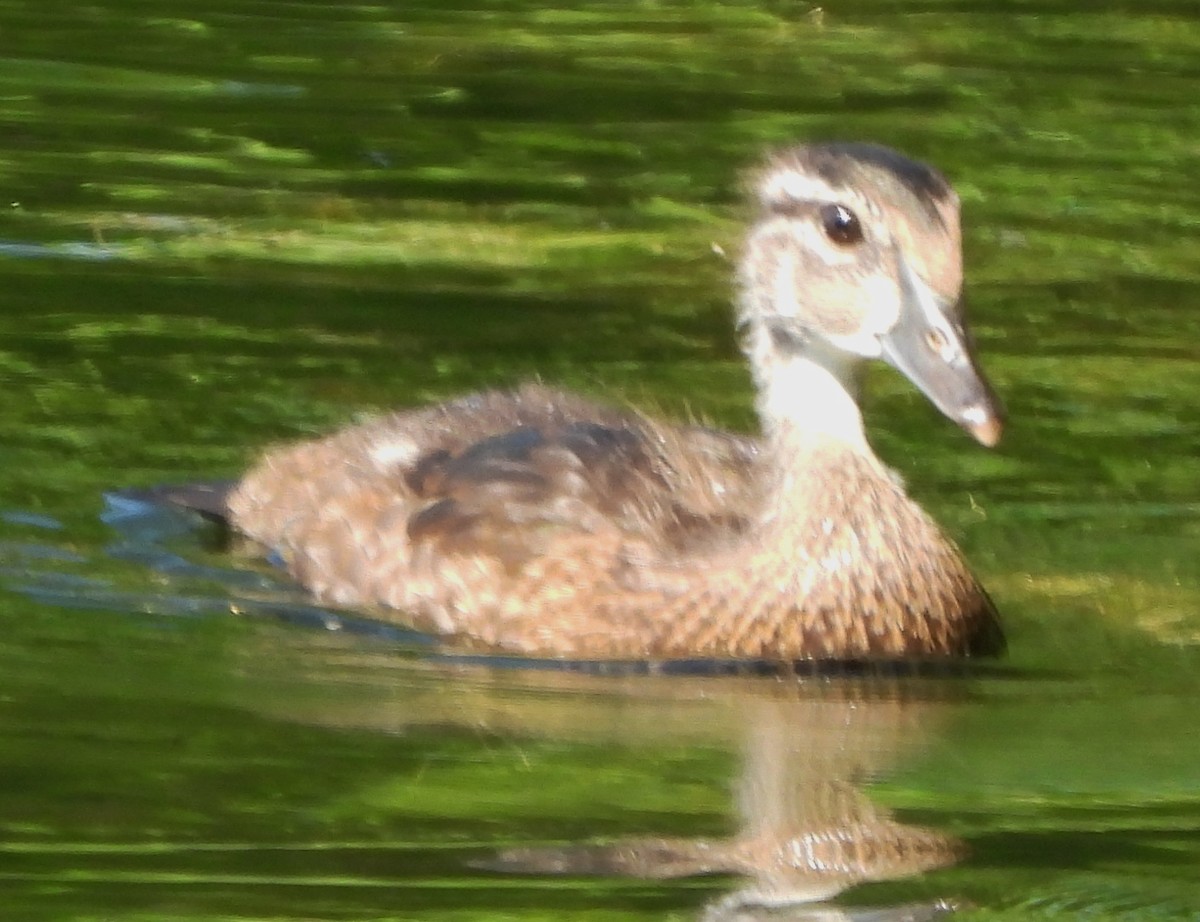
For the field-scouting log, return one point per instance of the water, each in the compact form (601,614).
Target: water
(247,222)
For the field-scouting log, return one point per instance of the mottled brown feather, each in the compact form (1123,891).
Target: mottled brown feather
(508,522)
(541,523)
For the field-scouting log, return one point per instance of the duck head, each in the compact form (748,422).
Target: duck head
(856,255)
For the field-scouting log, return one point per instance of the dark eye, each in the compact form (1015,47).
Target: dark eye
(841,225)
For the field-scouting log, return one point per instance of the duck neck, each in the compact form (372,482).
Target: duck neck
(808,399)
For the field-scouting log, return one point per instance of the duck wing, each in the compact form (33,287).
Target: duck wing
(405,508)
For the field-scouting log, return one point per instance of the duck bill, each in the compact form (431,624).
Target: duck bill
(929,345)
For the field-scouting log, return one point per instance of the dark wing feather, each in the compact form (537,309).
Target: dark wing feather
(419,505)
(511,495)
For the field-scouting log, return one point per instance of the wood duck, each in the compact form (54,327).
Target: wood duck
(539,523)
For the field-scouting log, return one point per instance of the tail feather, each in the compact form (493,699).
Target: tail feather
(209,499)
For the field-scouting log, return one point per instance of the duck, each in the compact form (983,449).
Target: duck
(538,523)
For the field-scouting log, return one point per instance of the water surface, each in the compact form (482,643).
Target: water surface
(239,223)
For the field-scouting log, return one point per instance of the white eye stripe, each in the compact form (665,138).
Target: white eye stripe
(786,191)
(785,186)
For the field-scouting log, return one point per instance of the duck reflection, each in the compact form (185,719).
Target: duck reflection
(805,828)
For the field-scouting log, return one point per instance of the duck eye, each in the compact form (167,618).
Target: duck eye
(841,225)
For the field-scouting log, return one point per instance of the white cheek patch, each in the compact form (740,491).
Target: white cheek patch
(791,238)
(880,293)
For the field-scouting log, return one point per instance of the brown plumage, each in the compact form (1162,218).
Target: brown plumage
(540,523)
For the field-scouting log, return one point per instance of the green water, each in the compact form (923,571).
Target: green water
(235,223)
